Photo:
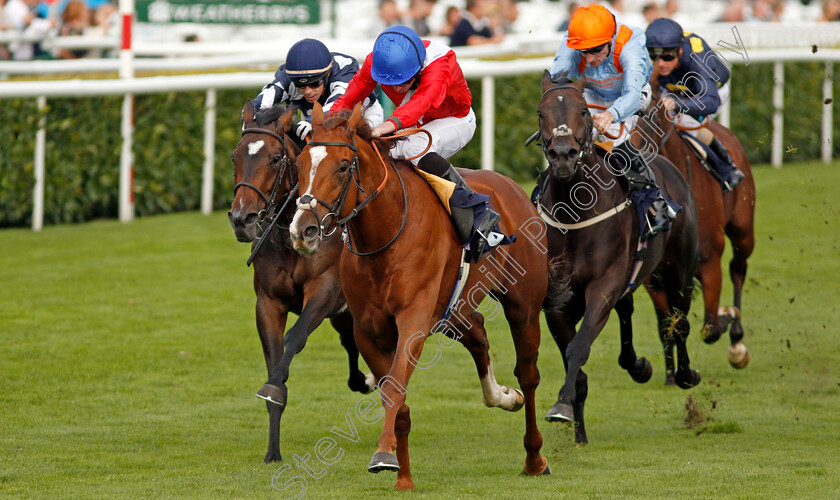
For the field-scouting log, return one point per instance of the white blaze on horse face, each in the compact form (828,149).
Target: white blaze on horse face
(560,98)
(562,130)
(255,147)
(316,156)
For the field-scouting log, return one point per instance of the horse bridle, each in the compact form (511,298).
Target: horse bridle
(308,202)
(584,145)
(269,200)
(284,166)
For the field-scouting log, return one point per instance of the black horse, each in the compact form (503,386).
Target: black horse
(284,281)
(594,233)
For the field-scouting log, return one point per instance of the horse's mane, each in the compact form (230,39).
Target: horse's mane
(363,130)
(266,116)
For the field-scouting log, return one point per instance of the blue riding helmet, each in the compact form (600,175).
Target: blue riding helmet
(398,55)
(308,61)
(664,33)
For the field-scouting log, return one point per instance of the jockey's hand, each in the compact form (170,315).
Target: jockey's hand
(385,128)
(669,104)
(303,129)
(602,121)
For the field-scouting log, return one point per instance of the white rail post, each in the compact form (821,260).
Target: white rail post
(127,126)
(828,109)
(209,149)
(724,115)
(40,149)
(488,119)
(778,113)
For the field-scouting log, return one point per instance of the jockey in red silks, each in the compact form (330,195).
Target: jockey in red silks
(424,81)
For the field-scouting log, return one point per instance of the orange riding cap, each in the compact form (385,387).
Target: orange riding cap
(590,26)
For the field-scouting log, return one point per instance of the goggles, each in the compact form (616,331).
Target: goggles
(665,56)
(305,82)
(593,50)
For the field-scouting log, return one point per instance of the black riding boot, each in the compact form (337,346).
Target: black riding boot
(734,176)
(641,179)
(462,217)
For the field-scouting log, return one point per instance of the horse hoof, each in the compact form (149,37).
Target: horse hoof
(273,456)
(687,380)
(545,472)
(518,402)
(560,412)
(642,374)
(272,394)
(362,382)
(739,356)
(709,334)
(669,379)
(383,460)
(404,485)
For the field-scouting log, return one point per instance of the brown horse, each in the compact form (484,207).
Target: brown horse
(283,280)
(401,265)
(586,204)
(720,215)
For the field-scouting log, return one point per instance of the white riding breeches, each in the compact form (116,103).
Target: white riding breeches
(449,135)
(374,114)
(690,122)
(629,122)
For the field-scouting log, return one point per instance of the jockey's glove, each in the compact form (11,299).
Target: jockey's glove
(303,129)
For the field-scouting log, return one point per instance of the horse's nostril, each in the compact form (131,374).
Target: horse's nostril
(552,155)
(310,232)
(250,219)
(572,153)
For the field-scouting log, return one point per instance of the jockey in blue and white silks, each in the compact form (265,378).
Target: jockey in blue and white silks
(312,73)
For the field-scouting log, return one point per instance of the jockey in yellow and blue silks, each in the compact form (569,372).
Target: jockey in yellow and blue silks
(695,83)
(615,62)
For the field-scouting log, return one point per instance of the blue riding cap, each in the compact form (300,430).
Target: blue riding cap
(398,55)
(308,60)
(664,33)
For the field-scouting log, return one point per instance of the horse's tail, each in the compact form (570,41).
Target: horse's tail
(559,292)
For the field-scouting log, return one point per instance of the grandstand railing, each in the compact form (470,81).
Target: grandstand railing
(487,71)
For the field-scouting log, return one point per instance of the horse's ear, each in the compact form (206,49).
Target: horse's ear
(317,114)
(285,120)
(580,83)
(355,117)
(546,80)
(248,112)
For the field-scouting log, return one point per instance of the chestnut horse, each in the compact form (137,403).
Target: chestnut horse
(400,268)
(595,229)
(284,281)
(720,215)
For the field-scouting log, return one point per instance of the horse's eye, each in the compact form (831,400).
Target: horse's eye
(276,159)
(344,166)
(232,159)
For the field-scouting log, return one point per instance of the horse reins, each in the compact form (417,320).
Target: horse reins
(308,202)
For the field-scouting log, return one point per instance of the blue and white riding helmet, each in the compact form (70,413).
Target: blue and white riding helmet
(398,55)
(308,61)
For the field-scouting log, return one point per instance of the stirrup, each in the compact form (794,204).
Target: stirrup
(485,237)
(735,178)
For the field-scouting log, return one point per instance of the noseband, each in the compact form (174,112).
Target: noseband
(584,145)
(308,202)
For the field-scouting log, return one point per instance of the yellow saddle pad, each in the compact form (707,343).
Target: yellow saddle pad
(442,187)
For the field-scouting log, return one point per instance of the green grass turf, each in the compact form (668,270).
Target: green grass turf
(129,360)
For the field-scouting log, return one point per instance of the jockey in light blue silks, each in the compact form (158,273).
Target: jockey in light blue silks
(617,68)
(695,83)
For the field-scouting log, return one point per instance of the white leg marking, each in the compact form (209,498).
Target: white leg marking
(255,147)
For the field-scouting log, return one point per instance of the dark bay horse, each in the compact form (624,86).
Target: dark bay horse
(719,214)
(595,231)
(284,281)
(401,266)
